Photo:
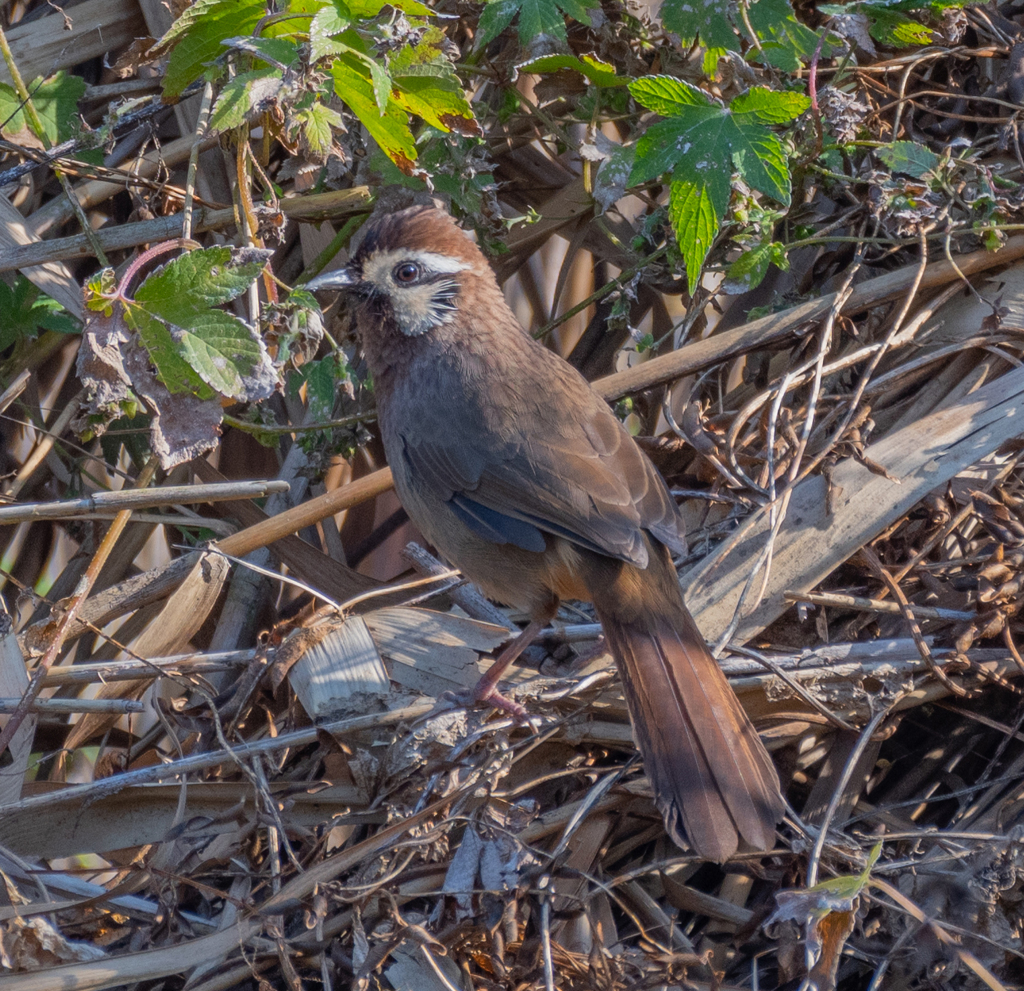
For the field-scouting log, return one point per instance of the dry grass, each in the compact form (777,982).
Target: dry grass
(221,787)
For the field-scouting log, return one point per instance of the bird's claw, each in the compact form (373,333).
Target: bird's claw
(490,696)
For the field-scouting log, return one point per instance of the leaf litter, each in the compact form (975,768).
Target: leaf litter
(308,802)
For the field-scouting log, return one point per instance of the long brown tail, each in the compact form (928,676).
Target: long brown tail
(713,780)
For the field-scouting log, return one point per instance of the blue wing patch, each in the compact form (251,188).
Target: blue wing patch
(497,527)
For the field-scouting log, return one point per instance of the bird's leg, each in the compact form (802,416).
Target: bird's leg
(486,689)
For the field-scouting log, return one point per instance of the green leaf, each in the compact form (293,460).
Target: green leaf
(710,21)
(221,350)
(371,8)
(194,346)
(893,28)
(24,310)
(171,368)
(597,72)
(751,267)
(702,144)
(426,85)
(327,22)
(696,207)
(317,122)
(199,279)
(434,93)
(785,41)
(695,137)
(381,84)
(537,18)
(667,95)
(242,96)
(279,52)
(389,129)
(497,15)
(760,160)
(907,156)
(56,104)
(769,106)
(321,388)
(191,16)
(197,35)
(668,142)
(887,21)
(100,289)
(540,17)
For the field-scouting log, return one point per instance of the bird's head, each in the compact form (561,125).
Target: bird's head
(413,268)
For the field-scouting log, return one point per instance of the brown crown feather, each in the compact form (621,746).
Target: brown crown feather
(420,228)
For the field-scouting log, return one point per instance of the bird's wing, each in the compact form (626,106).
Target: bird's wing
(578,475)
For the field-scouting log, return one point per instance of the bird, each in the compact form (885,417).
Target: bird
(523,477)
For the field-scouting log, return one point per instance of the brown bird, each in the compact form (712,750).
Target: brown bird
(520,474)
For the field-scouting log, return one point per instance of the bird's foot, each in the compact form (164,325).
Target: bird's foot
(492,697)
(489,695)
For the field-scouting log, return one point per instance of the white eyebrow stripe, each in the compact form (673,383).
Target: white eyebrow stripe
(432,261)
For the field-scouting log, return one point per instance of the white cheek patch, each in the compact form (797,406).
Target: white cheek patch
(419,307)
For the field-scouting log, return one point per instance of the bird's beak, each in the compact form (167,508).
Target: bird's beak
(336,281)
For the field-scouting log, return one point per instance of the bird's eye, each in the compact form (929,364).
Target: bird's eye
(407,272)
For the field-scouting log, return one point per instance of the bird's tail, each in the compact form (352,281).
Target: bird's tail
(713,780)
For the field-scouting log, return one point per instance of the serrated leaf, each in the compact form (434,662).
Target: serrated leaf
(702,144)
(200,279)
(317,122)
(537,18)
(708,20)
(189,17)
(327,22)
(751,267)
(769,106)
(197,42)
(497,15)
(697,136)
(280,52)
(243,96)
(224,353)
(540,17)
(426,85)
(597,72)
(389,129)
(696,207)
(436,95)
(56,103)
(321,388)
(909,157)
(785,41)
(667,95)
(171,369)
(371,8)
(761,161)
(381,84)
(892,28)
(666,143)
